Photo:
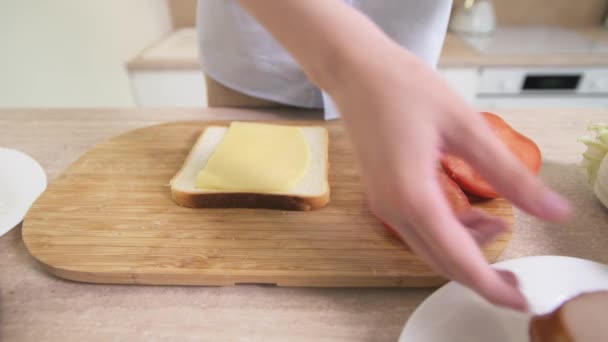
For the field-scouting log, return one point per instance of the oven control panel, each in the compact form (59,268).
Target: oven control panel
(511,81)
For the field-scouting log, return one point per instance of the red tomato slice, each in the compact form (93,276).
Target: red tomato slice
(456,198)
(470,181)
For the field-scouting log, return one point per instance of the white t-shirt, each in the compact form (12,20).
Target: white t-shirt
(238,52)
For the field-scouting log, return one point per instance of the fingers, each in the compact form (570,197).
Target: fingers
(421,248)
(422,215)
(463,256)
(502,289)
(458,251)
(509,277)
(483,227)
(478,145)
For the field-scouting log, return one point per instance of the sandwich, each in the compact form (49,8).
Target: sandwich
(255,165)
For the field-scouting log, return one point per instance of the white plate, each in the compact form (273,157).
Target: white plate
(456,314)
(22,180)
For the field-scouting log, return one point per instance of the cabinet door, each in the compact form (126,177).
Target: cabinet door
(463,81)
(169,88)
(186,88)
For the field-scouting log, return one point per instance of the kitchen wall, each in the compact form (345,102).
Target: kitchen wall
(183,12)
(549,12)
(508,12)
(70,53)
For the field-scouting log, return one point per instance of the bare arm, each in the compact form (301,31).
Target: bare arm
(402,116)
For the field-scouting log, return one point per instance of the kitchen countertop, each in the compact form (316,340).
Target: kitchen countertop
(179,51)
(35,306)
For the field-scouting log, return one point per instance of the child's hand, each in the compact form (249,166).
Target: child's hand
(402,116)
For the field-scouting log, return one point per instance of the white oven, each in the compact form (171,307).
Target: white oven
(525,87)
(543,88)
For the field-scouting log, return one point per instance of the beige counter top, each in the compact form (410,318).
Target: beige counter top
(179,50)
(37,307)
(457,53)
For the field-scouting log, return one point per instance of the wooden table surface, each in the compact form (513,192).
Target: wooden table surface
(35,306)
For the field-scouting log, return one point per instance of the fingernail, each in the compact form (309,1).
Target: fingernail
(510,278)
(523,305)
(556,205)
(520,303)
(516,299)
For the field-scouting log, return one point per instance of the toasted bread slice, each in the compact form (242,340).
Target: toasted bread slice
(311,192)
(583,318)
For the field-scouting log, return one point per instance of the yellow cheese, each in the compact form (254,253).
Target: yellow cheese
(256,157)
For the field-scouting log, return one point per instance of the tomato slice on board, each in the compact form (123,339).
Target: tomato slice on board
(456,198)
(470,181)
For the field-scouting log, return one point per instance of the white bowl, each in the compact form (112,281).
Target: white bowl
(456,314)
(22,180)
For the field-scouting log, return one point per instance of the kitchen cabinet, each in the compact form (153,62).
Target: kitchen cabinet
(169,88)
(186,88)
(490,88)
(464,81)
(167,74)
(543,87)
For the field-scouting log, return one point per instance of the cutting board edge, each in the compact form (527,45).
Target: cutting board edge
(291,280)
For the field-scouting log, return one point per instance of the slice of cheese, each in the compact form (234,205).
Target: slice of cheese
(256,157)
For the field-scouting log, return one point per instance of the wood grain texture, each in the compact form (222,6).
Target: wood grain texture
(110,219)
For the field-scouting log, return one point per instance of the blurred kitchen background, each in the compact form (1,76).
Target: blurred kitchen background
(113,53)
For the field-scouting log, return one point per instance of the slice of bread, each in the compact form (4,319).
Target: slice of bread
(583,318)
(311,192)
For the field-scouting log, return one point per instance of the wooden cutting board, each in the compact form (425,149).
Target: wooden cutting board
(110,219)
